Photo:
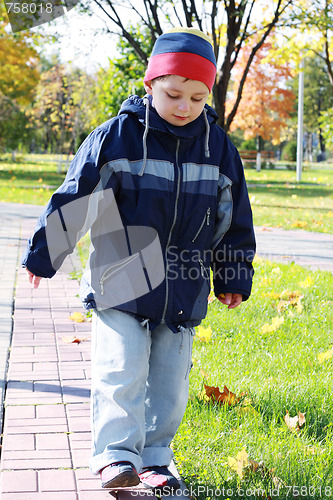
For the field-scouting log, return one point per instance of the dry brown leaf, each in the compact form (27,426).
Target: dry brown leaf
(225,397)
(295,423)
(73,340)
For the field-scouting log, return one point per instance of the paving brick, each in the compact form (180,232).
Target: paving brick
(78,410)
(19,441)
(79,424)
(20,367)
(22,412)
(54,441)
(39,463)
(98,495)
(80,441)
(37,392)
(51,411)
(56,480)
(37,427)
(76,390)
(24,352)
(81,458)
(41,496)
(15,481)
(35,455)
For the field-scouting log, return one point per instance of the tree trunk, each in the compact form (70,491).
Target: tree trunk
(258,160)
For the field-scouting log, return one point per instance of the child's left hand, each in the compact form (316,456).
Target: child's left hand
(231,300)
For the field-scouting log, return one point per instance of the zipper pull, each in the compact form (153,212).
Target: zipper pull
(208,215)
(101,282)
(202,268)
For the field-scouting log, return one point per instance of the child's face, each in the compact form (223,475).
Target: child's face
(177,100)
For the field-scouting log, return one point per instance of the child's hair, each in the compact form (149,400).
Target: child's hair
(186,52)
(164,77)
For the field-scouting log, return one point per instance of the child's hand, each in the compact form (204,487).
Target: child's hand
(35,280)
(231,300)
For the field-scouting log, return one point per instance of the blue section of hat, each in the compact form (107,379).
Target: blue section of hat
(184,42)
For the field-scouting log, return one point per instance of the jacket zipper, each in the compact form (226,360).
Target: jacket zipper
(204,273)
(111,270)
(204,221)
(170,234)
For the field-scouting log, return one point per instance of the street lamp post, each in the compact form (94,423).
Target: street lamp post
(300,122)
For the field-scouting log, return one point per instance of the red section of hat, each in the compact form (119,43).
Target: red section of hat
(183,64)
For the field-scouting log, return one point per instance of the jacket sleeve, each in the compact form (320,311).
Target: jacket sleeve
(65,218)
(234,244)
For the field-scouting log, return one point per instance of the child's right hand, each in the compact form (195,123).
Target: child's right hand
(35,280)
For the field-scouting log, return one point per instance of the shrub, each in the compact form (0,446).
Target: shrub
(289,151)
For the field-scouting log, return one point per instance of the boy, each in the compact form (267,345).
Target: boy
(162,190)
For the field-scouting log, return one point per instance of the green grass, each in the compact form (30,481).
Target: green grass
(279,371)
(32,179)
(278,200)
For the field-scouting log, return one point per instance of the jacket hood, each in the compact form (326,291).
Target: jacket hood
(136,105)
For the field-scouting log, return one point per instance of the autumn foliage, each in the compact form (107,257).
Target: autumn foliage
(266,101)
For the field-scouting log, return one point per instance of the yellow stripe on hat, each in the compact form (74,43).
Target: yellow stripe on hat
(193,31)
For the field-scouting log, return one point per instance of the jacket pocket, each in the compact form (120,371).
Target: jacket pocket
(224,209)
(205,222)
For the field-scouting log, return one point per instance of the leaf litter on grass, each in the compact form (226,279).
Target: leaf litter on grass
(254,359)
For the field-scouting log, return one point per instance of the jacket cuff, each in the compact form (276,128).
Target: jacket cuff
(236,277)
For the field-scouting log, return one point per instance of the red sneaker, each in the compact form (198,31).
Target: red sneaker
(160,480)
(119,475)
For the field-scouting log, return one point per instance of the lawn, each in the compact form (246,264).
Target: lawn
(275,354)
(278,200)
(32,179)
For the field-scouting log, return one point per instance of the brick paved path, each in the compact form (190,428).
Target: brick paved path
(46,435)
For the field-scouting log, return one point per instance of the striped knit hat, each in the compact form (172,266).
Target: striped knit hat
(186,52)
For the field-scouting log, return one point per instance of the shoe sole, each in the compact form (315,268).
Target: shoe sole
(125,479)
(161,491)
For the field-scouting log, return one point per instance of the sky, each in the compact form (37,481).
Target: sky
(80,41)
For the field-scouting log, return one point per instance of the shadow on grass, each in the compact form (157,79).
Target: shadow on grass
(303,190)
(22,175)
(318,422)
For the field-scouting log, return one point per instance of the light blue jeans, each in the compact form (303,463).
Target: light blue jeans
(140,385)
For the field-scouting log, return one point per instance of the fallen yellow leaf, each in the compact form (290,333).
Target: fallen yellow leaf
(309,281)
(239,463)
(275,324)
(204,334)
(324,356)
(77,317)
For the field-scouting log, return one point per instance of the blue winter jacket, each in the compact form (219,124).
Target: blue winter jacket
(178,191)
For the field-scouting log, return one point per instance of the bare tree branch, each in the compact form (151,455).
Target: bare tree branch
(124,32)
(327,59)
(154,13)
(255,49)
(188,16)
(238,13)
(244,35)
(195,13)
